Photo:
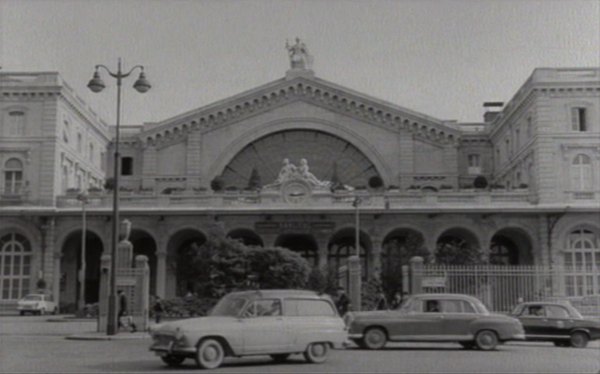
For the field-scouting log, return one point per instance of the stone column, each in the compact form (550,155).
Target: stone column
(375,263)
(416,275)
(56,278)
(161,273)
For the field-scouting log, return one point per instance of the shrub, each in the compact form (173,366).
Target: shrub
(109,184)
(375,182)
(480,182)
(188,306)
(217,184)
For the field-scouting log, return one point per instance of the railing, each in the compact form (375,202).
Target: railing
(501,287)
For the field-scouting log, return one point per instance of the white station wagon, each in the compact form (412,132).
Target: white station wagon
(35,303)
(261,322)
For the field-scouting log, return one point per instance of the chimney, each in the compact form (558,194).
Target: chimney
(492,110)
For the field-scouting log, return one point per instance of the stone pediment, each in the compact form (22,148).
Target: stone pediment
(305,88)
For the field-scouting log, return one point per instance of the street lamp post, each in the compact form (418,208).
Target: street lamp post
(83,198)
(96,85)
(354,262)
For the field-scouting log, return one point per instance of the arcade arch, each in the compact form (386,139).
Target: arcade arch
(70,265)
(397,248)
(304,244)
(144,244)
(180,251)
(343,245)
(456,245)
(510,246)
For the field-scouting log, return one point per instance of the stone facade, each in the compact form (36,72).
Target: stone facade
(540,155)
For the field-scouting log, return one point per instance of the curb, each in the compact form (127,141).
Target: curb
(99,336)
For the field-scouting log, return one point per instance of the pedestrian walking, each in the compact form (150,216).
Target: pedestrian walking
(123,315)
(381,301)
(342,301)
(158,309)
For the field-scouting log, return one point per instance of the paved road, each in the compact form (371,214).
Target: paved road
(32,344)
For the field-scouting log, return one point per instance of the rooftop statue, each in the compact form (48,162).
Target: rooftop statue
(299,56)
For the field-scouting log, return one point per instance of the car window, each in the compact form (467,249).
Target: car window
(263,308)
(457,306)
(555,311)
(533,311)
(432,306)
(229,306)
(308,307)
(412,305)
(33,297)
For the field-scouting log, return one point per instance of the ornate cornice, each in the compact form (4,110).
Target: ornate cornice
(316,92)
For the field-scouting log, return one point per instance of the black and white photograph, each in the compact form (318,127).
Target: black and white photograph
(300,186)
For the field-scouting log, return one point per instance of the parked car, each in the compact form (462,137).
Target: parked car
(435,318)
(36,303)
(559,323)
(261,322)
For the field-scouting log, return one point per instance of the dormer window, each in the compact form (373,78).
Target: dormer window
(578,119)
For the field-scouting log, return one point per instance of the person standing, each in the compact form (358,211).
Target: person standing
(158,309)
(396,301)
(123,313)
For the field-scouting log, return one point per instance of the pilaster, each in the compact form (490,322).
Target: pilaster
(406,160)
(149,166)
(194,152)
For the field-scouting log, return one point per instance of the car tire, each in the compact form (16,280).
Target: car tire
(210,354)
(579,339)
(316,353)
(280,357)
(172,360)
(486,340)
(468,345)
(375,338)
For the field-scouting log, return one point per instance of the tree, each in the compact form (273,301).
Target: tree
(277,268)
(457,251)
(480,182)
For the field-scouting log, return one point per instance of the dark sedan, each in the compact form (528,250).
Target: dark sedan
(559,323)
(435,318)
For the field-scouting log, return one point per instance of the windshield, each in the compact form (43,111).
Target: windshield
(229,307)
(32,298)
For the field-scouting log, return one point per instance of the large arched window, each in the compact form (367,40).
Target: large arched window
(581,173)
(15,266)
(582,263)
(13,176)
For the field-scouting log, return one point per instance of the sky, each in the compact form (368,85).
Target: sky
(443,58)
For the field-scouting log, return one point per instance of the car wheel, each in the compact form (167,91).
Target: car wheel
(375,338)
(467,345)
(173,360)
(486,340)
(210,354)
(316,353)
(579,339)
(280,357)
